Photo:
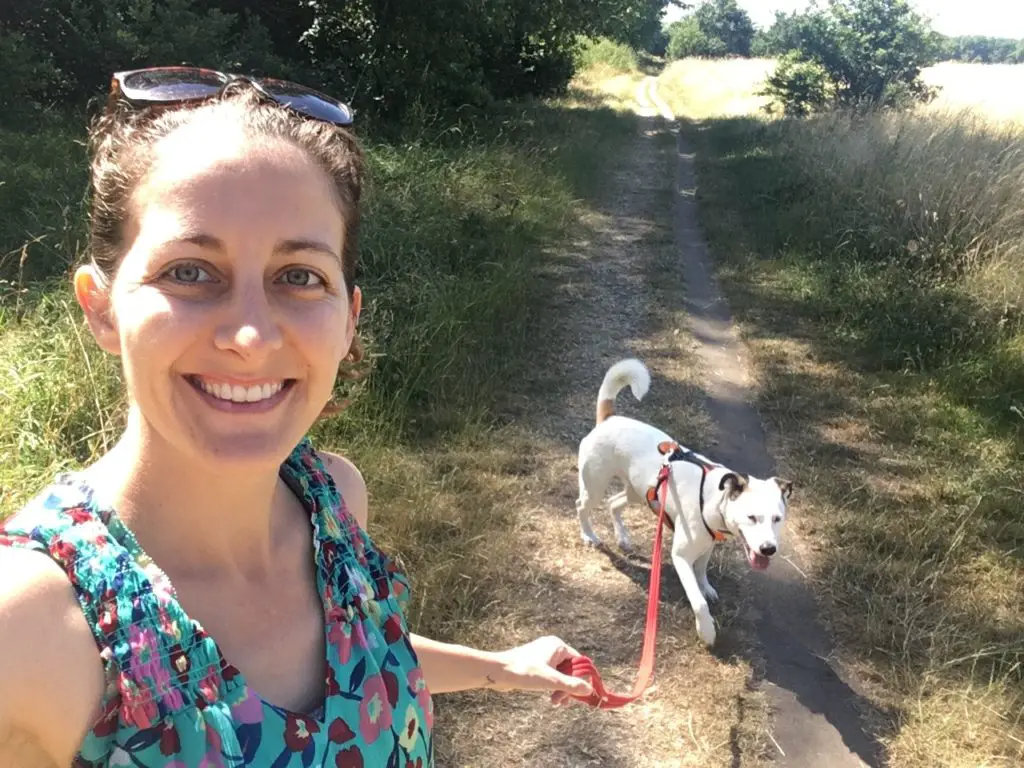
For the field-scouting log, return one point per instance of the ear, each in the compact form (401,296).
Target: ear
(733,484)
(93,297)
(786,486)
(355,307)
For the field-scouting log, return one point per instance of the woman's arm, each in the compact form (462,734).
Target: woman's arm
(448,667)
(51,676)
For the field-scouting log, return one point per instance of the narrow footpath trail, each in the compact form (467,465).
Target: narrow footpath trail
(636,282)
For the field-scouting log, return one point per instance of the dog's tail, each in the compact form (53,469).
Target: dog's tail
(631,373)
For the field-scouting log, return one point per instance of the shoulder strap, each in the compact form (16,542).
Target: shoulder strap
(350,565)
(151,651)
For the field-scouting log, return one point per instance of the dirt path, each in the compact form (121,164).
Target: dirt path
(816,715)
(621,292)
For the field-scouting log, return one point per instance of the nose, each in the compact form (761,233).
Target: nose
(249,326)
(767,550)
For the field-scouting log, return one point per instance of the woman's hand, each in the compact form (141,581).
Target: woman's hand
(532,667)
(448,667)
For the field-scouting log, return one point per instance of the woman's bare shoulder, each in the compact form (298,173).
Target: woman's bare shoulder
(350,484)
(51,676)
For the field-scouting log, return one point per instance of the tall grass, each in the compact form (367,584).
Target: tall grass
(458,219)
(604,53)
(876,265)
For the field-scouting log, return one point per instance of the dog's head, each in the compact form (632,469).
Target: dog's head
(755,511)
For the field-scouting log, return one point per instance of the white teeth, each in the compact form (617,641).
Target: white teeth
(240,394)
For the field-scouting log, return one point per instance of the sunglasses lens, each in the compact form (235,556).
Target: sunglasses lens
(171,84)
(309,102)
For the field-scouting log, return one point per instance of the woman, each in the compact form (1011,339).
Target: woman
(205,593)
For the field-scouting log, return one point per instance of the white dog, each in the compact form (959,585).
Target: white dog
(705,501)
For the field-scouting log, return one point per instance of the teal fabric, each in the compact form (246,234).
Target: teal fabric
(172,699)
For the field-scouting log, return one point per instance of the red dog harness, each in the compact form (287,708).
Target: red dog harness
(674,452)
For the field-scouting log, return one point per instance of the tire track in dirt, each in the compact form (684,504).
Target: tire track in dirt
(619,292)
(816,714)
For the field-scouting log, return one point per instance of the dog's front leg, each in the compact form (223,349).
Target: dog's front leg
(701,611)
(700,568)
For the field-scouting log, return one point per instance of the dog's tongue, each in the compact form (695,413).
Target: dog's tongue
(758,561)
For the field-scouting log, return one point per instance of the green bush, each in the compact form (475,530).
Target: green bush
(871,52)
(608,52)
(800,86)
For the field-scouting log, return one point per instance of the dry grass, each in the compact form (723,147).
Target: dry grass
(708,88)
(993,90)
(875,267)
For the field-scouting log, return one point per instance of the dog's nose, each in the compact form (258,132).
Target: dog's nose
(767,550)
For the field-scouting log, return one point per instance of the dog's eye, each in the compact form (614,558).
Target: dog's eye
(752,518)
(776,519)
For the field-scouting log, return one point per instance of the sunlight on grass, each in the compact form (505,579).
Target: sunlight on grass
(876,267)
(993,90)
(703,88)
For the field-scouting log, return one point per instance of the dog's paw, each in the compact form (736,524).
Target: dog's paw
(706,630)
(709,592)
(590,541)
(625,543)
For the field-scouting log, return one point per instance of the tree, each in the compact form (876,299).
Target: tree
(780,38)
(716,28)
(870,52)
(686,39)
(724,20)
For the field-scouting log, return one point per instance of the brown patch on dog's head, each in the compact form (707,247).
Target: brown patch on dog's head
(733,483)
(786,486)
(605,408)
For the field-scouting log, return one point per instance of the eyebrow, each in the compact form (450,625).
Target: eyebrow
(285,247)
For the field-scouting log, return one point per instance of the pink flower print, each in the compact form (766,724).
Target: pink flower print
(374,709)
(340,636)
(142,642)
(162,682)
(360,635)
(418,685)
(371,634)
(169,626)
(249,709)
(213,757)
(137,707)
(209,686)
(147,663)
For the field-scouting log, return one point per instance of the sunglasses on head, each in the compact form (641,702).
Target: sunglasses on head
(167,86)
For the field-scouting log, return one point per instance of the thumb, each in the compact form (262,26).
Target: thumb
(578,686)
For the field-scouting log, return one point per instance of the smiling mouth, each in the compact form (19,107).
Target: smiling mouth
(256,396)
(757,561)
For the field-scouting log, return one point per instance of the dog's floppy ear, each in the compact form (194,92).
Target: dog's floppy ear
(786,486)
(733,483)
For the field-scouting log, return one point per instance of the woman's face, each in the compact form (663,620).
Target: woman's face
(229,309)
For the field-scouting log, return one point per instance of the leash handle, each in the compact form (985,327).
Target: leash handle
(583,666)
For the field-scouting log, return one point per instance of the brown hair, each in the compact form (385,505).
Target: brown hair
(121,149)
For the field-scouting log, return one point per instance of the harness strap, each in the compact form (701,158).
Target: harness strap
(672,451)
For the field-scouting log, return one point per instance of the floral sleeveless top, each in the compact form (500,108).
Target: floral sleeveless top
(173,700)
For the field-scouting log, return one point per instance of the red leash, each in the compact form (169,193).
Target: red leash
(582,666)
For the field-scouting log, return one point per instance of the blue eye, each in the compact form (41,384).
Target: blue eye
(190,274)
(301,278)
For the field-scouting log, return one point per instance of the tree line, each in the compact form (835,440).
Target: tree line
(388,57)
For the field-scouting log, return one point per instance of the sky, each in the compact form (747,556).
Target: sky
(998,18)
